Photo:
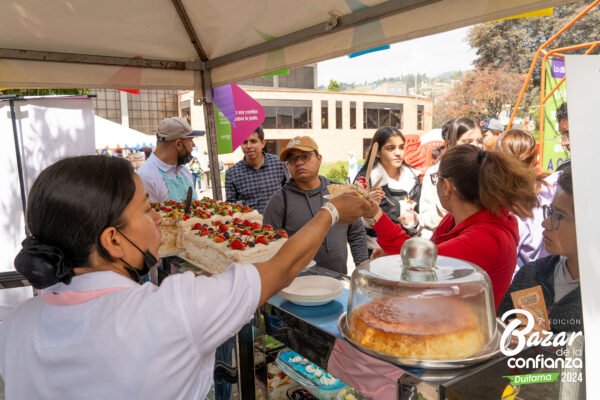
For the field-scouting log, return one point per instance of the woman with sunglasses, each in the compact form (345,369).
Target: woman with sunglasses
(481,190)
(557,274)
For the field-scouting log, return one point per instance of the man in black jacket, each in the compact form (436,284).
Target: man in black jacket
(558,274)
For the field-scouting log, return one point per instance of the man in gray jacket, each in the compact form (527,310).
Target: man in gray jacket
(301,198)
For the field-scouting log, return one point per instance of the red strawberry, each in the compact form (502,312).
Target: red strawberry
(237,221)
(283,233)
(236,244)
(247,223)
(223,228)
(262,239)
(361,182)
(219,238)
(246,209)
(204,231)
(196,226)
(267,228)
(255,225)
(247,232)
(216,223)
(185,217)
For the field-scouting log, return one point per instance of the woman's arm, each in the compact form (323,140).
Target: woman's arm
(300,249)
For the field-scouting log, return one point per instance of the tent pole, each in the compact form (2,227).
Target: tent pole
(13,117)
(211,134)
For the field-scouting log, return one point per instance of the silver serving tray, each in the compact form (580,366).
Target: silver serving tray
(491,349)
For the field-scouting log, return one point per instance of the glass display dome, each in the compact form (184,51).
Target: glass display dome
(419,306)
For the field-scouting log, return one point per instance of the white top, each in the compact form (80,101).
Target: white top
(431,211)
(106,337)
(154,184)
(405,182)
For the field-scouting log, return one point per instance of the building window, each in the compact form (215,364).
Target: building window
(287,114)
(324,115)
(383,114)
(270,117)
(258,81)
(420,117)
(298,78)
(107,104)
(186,111)
(148,108)
(338,115)
(352,115)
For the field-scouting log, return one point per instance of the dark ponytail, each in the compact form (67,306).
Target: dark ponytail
(492,180)
(69,206)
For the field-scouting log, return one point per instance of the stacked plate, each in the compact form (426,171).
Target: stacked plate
(313,290)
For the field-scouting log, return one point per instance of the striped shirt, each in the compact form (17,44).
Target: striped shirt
(254,187)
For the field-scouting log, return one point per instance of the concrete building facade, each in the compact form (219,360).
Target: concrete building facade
(340,122)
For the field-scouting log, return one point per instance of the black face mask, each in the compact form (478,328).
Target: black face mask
(182,160)
(138,275)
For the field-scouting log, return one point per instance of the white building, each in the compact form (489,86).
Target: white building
(340,122)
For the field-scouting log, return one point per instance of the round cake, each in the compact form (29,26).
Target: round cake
(436,328)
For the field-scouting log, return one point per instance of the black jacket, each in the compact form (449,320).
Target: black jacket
(566,315)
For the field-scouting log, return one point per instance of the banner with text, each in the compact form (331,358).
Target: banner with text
(237,115)
(554,153)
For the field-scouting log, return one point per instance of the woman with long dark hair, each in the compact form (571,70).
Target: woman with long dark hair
(95,332)
(454,132)
(399,181)
(481,191)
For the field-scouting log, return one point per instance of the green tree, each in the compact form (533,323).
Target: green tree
(513,43)
(480,93)
(334,86)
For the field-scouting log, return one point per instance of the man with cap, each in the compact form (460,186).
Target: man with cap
(253,180)
(164,173)
(491,129)
(302,197)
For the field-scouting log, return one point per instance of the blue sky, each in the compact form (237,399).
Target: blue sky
(431,55)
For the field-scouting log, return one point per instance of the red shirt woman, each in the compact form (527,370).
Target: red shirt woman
(480,190)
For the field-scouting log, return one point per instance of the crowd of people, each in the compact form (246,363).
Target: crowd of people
(100,333)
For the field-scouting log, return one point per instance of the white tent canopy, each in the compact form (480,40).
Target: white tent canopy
(164,44)
(113,135)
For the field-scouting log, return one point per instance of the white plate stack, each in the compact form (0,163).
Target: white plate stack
(313,290)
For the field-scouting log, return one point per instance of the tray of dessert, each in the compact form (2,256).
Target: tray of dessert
(216,234)
(316,380)
(490,350)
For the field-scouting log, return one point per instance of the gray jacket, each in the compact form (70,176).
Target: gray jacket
(300,206)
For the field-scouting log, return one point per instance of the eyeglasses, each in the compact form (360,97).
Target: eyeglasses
(435,178)
(304,157)
(555,216)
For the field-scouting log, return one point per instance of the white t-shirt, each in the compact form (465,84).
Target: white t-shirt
(105,337)
(154,184)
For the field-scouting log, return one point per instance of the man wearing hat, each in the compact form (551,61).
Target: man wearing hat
(253,180)
(164,173)
(491,129)
(302,197)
